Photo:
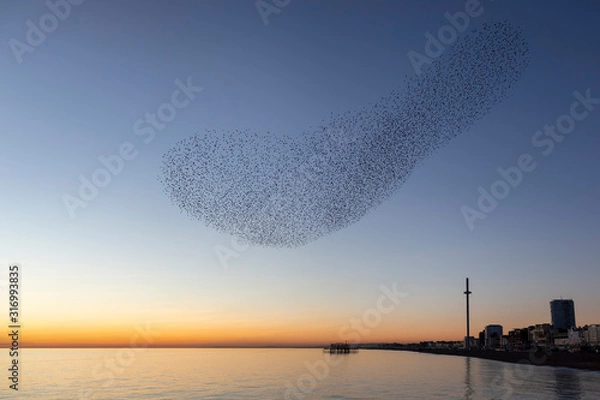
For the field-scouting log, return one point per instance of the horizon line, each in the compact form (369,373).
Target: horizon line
(203,347)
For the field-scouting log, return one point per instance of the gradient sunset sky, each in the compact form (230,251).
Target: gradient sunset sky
(131,259)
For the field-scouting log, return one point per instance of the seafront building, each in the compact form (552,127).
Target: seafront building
(592,334)
(562,334)
(518,339)
(575,338)
(563,314)
(493,335)
(541,335)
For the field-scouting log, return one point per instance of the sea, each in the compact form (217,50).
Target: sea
(284,374)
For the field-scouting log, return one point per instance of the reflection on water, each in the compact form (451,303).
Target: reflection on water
(297,374)
(567,384)
(469,392)
(486,379)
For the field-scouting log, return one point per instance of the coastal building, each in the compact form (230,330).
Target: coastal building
(575,337)
(561,343)
(482,339)
(563,314)
(541,335)
(493,335)
(593,335)
(445,344)
(470,342)
(518,339)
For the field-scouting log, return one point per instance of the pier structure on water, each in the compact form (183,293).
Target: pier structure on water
(340,348)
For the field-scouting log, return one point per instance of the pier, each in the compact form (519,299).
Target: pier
(340,348)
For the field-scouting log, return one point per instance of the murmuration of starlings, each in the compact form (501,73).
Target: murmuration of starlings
(277,191)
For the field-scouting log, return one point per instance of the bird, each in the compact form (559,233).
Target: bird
(283,192)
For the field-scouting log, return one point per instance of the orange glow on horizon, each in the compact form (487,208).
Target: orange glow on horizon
(242,335)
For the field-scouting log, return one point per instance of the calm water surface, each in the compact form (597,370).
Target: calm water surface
(285,373)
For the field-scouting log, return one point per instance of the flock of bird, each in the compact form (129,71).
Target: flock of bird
(275,191)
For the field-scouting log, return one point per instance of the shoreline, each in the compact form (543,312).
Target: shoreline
(578,360)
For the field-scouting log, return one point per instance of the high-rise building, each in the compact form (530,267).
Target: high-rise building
(563,314)
(493,335)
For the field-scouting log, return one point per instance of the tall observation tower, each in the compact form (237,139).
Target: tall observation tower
(468,339)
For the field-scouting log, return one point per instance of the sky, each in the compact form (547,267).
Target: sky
(131,262)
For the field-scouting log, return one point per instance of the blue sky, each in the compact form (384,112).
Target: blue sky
(130,251)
